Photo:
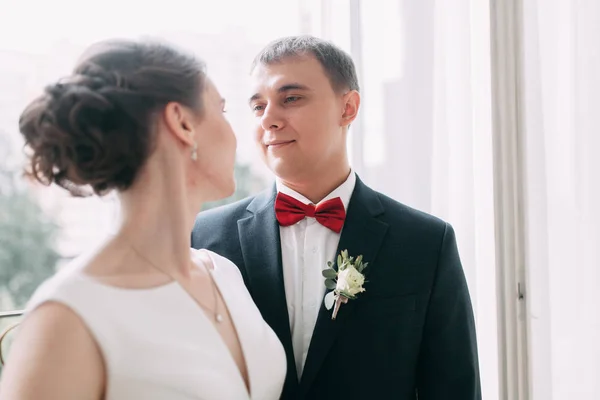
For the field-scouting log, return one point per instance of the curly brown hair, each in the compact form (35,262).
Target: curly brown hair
(95,127)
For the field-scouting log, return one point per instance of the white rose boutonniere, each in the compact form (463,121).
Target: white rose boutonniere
(345,283)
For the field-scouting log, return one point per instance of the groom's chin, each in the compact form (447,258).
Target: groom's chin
(283,169)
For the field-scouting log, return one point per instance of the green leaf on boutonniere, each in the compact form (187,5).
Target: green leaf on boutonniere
(329,300)
(339,261)
(330,284)
(329,273)
(363,266)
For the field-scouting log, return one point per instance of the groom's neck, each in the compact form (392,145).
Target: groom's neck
(317,188)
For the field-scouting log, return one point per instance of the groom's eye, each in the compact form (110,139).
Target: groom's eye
(257,107)
(291,99)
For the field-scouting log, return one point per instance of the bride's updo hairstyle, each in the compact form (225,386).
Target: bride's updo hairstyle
(96,127)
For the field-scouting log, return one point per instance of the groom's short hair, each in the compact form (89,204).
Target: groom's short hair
(338,65)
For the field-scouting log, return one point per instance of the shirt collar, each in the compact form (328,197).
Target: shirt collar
(344,191)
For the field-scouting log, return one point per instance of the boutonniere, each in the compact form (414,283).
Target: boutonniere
(345,283)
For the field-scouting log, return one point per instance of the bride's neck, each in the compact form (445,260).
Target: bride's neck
(157,218)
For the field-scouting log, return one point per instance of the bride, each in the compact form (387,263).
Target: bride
(142,316)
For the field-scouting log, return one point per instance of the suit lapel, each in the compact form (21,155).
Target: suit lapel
(261,248)
(362,234)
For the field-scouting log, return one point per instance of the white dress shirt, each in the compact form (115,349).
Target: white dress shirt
(305,249)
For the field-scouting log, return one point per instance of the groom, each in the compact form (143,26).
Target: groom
(411,333)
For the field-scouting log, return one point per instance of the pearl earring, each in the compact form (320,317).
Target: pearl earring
(195,151)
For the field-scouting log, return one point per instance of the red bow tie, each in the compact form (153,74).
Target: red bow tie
(330,213)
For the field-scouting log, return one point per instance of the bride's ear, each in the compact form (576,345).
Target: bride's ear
(180,123)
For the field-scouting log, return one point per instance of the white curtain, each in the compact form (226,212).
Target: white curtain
(562,151)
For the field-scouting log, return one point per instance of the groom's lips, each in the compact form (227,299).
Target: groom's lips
(278,144)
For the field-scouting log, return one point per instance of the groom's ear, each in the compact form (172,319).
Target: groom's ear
(179,122)
(351,103)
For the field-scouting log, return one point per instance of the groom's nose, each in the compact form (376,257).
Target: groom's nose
(271,119)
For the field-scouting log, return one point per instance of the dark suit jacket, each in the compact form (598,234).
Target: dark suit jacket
(411,333)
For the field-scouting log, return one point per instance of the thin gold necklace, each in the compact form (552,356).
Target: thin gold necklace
(217,315)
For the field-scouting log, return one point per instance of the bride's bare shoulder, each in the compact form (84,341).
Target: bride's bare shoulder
(55,350)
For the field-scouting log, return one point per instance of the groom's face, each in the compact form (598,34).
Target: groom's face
(299,118)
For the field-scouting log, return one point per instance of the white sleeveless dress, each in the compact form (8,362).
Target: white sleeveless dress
(158,344)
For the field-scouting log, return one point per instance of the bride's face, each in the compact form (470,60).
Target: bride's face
(216,147)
